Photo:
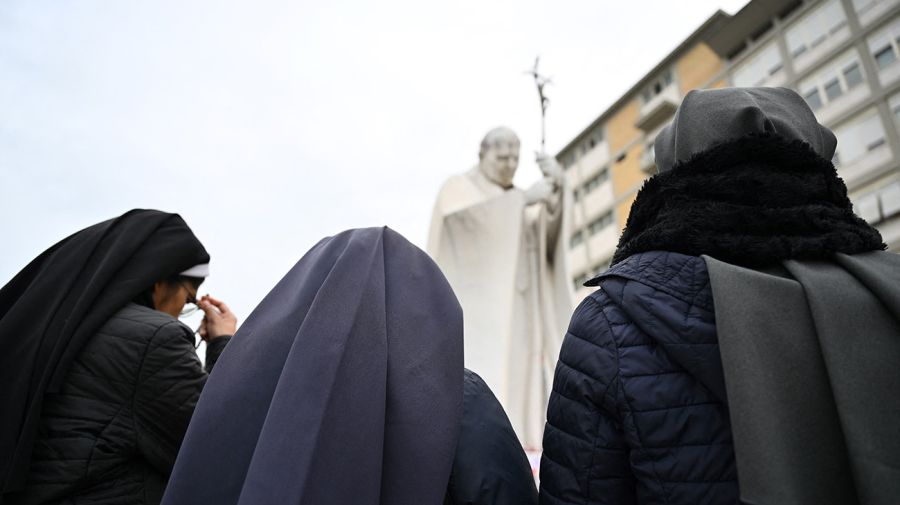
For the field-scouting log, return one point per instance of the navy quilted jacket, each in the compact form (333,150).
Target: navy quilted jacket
(638,411)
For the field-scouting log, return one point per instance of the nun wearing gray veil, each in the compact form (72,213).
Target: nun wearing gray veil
(346,386)
(744,345)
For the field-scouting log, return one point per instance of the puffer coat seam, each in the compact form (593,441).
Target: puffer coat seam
(593,408)
(140,370)
(637,433)
(582,372)
(640,448)
(614,380)
(90,459)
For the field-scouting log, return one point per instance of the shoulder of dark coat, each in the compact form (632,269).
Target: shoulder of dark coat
(136,322)
(678,275)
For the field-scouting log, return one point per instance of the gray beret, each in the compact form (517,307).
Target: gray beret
(710,117)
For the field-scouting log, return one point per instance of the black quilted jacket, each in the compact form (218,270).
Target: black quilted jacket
(110,436)
(638,413)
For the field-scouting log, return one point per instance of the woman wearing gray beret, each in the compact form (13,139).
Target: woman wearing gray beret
(743,347)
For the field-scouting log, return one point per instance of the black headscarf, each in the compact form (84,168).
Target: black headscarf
(57,302)
(343,386)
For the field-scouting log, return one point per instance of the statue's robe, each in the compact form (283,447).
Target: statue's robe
(506,261)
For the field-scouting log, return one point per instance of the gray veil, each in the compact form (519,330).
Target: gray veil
(344,386)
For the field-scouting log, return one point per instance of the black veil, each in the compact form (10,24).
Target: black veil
(50,309)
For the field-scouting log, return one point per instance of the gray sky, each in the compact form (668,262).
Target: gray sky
(269,125)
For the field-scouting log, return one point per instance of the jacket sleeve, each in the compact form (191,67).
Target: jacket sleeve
(490,467)
(170,380)
(214,349)
(586,457)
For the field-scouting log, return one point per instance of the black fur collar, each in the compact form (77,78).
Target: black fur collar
(752,201)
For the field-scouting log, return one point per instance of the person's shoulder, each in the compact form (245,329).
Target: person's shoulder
(473,384)
(137,322)
(678,275)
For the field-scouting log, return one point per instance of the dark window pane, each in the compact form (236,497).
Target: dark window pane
(736,52)
(835,28)
(853,75)
(758,34)
(790,9)
(833,89)
(875,144)
(813,99)
(885,56)
(798,51)
(600,223)
(577,238)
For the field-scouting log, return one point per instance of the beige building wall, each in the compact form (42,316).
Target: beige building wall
(697,67)
(810,46)
(620,127)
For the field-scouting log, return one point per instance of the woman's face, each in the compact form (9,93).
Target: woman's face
(170,297)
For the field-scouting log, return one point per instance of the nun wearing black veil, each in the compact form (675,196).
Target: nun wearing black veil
(346,386)
(99,378)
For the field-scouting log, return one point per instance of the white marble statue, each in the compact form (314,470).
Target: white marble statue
(502,249)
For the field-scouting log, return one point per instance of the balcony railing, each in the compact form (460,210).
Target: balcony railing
(659,109)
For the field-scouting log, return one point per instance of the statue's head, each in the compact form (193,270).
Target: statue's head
(499,156)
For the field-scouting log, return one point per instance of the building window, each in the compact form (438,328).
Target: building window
(833,89)
(657,86)
(596,181)
(864,6)
(576,195)
(577,239)
(894,104)
(885,45)
(833,81)
(867,208)
(815,27)
(790,9)
(879,205)
(593,141)
(813,99)
(758,68)
(861,135)
(885,57)
(852,75)
(889,196)
(599,224)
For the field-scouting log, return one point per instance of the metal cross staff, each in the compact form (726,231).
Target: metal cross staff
(540,81)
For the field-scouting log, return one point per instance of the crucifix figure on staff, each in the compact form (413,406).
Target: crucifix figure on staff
(551,171)
(540,81)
